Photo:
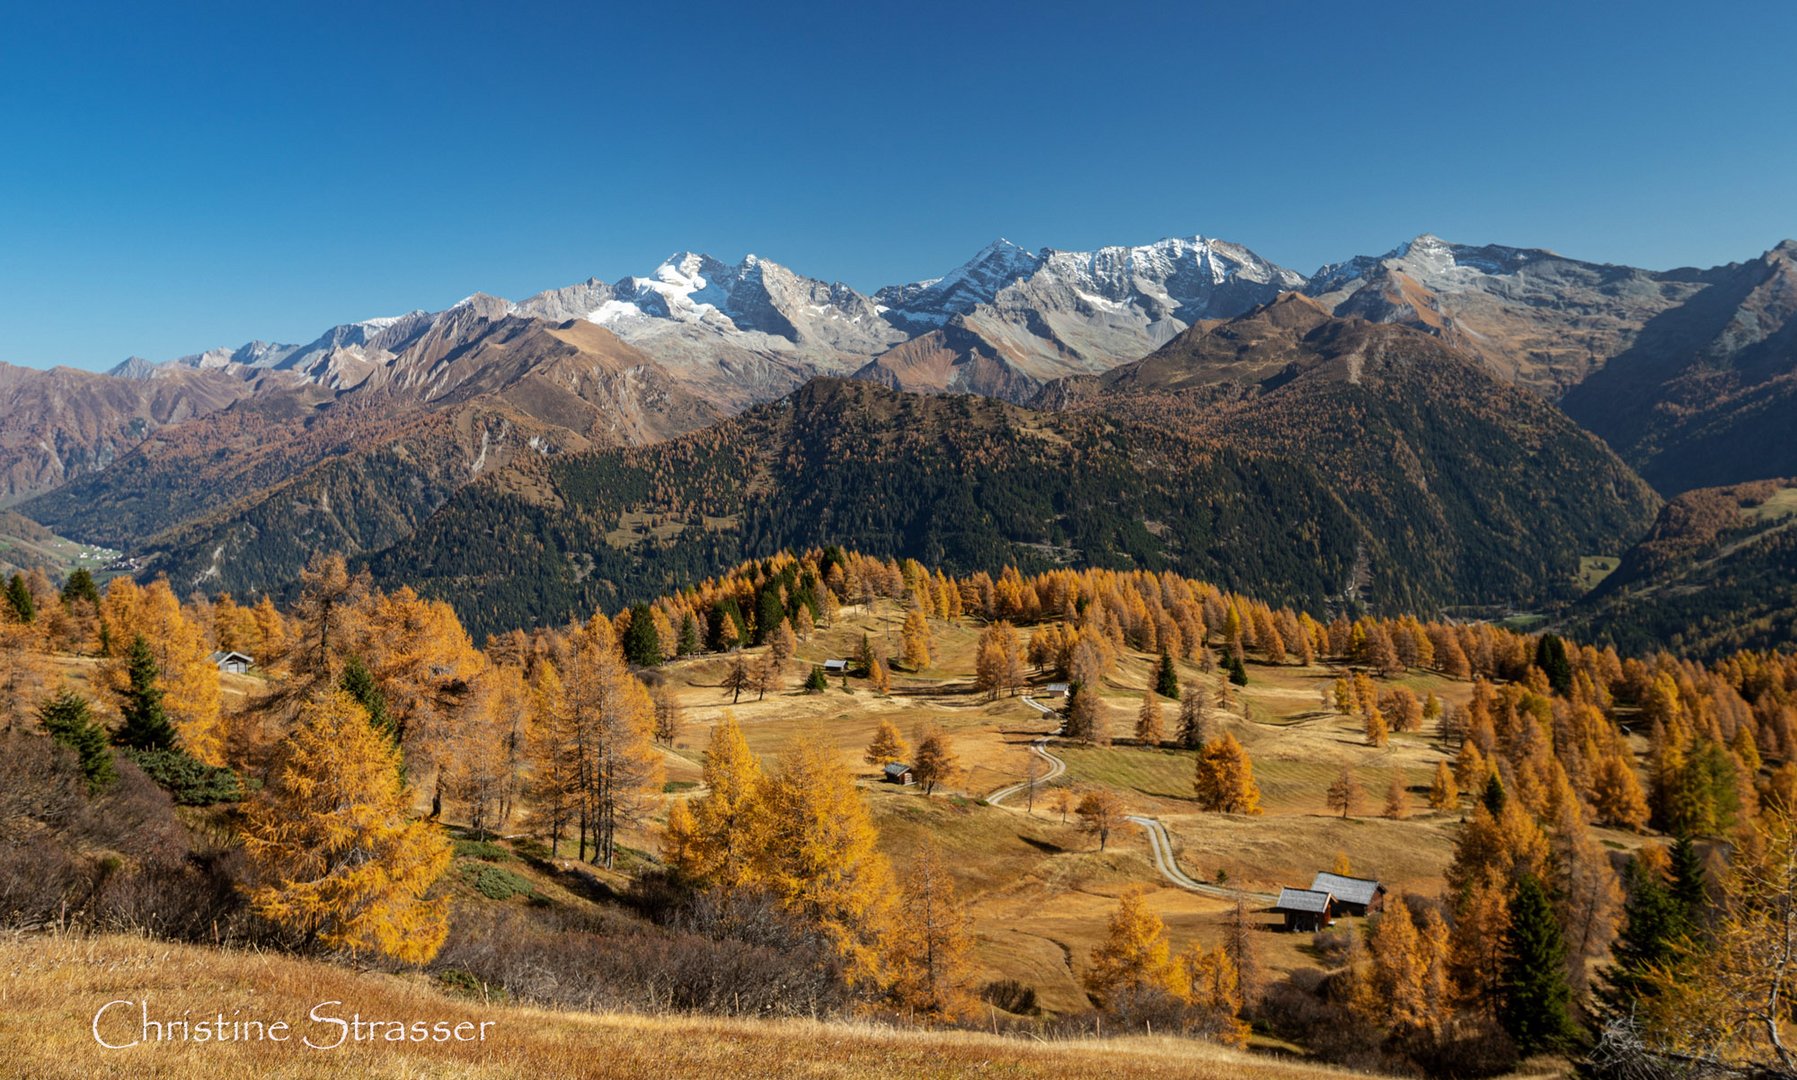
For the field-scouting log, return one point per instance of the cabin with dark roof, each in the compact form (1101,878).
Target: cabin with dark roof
(897,773)
(232,662)
(1353,896)
(1305,910)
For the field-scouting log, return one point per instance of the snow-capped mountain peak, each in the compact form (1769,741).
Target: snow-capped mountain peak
(927,304)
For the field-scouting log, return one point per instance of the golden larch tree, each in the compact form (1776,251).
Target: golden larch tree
(820,855)
(1214,994)
(1135,960)
(930,949)
(1730,1001)
(333,851)
(554,750)
(23,667)
(1444,793)
(1224,778)
(1376,732)
(1343,793)
(1397,800)
(1402,987)
(1616,793)
(1100,811)
(887,746)
(935,762)
(1148,721)
(718,844)
(915,638)
(486,763)
(189,679)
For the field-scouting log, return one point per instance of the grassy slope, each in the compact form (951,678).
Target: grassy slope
(1039,891)
(51,987)
(24,545)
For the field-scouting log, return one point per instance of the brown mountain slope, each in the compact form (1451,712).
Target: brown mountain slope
(955,360)
(240,499)
(1691,375)
(60,423)
(1707,393)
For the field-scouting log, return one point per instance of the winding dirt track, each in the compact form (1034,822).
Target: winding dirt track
(1159,843)
(1040,748)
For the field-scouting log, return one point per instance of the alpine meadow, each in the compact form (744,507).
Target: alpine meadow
(1139,658)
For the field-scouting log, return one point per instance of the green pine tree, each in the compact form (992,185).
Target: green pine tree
(71,722)
(1653,923)
(689,635)
(1238,672)
(1166,680)
(1535,998)
(146,725)
(18,594)
(769,610)
(816,681)
(1494,796)
(642,645)
(358,682)
(1550,657)
(1690,883)
(80,586)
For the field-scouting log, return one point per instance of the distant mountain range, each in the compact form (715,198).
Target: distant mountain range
(1349,464)
(227,468)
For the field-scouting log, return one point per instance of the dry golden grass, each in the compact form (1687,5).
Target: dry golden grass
(51,987)
(1038,891)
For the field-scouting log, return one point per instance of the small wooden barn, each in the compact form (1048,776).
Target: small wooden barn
(898,773)
(1305,910)
(232,662)
(1353,896)
(835,667)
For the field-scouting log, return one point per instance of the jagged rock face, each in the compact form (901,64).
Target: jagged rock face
(1535,318)
(1707,392)
(1049,314)
(924,305)
(1691,375)
(736,334)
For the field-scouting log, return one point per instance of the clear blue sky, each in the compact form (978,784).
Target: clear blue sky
(175,180)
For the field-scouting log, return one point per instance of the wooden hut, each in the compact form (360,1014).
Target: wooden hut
(1353,896)
(1305,910)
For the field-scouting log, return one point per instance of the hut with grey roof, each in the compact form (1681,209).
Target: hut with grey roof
(1353,896)
(1305,910)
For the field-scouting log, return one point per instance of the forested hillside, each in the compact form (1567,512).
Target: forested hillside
(1351,465)
(1716,573)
